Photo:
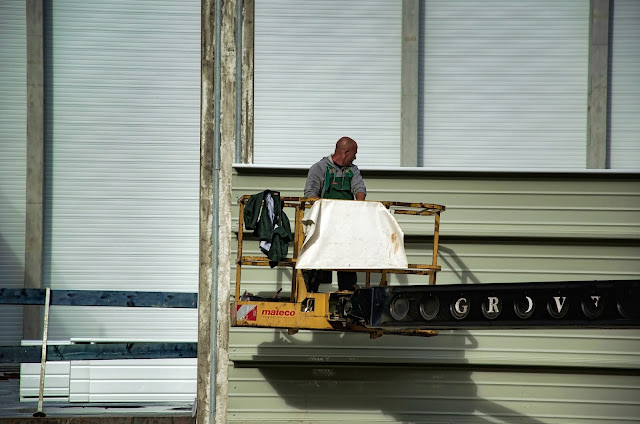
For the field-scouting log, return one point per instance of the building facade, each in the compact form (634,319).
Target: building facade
(484,107)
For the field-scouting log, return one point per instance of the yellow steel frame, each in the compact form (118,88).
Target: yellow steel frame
(307,310)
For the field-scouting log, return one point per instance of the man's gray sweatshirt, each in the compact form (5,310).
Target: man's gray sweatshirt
(317,174)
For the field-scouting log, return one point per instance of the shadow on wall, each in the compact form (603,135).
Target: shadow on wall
(11,261)
(331,385)
(343,377)
(453,262)
(11,271)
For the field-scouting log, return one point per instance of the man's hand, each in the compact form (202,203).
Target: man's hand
(360,196)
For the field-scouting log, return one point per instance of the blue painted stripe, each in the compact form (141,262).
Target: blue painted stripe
(100,298)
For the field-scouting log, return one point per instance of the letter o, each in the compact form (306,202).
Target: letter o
(524,307)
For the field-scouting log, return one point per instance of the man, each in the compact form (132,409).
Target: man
(335,177)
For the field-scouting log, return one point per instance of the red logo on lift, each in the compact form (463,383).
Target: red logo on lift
(247,312)
(274,312)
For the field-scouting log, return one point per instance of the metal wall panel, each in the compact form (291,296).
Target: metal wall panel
(625,85)
(56,382)
(129,380)
(324,70)
(498,227)
(572,205)
(122,157)
(121,380)
(323,393)
(614,349)
(13,160)
(503,84)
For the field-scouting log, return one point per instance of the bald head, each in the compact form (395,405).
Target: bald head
(344,143)
(345,153)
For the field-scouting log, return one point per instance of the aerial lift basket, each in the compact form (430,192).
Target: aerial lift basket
(322,311)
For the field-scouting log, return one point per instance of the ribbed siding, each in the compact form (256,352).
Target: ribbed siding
(475,262)
(122,159)
(548,228)
(480,205)
(562,228)
(625,85)
(13,159)
(56,381)
(503,84)
(525,348)
(149,380)
(324,70)
(323,393)
(122,380)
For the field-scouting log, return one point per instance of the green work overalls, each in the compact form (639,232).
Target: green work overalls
(338,188)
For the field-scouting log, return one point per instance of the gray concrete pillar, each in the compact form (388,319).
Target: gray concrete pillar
(35,164)
(205,278)
(598,85)
(217,153)
(409,102)
(228,78)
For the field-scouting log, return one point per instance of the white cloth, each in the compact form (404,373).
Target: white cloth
(344,234)
(268,201)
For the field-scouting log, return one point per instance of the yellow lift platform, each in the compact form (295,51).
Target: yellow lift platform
(321,311)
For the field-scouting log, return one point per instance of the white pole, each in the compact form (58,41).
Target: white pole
(43,359)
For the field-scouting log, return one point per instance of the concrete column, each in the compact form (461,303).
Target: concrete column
(409,102)
(207,146)
(228,77)
(598,84)
(217,149)
(248,10)
(35,164)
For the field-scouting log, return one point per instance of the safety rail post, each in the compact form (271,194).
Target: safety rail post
(383,278)
(296,229)
(240,238)
(298,286)
(436,240)
(297,237)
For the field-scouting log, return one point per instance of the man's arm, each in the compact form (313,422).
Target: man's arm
(315,181)
(357,184)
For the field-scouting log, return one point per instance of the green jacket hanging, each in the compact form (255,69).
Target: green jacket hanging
(264,215)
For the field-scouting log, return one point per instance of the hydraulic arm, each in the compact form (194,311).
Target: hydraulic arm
(584,304)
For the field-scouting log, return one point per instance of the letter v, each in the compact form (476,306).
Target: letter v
(559,304)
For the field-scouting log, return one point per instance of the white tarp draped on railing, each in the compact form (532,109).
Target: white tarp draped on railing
(344,234)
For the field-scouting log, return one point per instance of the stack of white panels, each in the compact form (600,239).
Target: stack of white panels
(122,380)
(56,378)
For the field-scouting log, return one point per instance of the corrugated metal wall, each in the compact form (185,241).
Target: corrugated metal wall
(348,394)
(122,205)
(503,84)
(325,69)
(122,153)
(625,84)
(497,228)
(13,159)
